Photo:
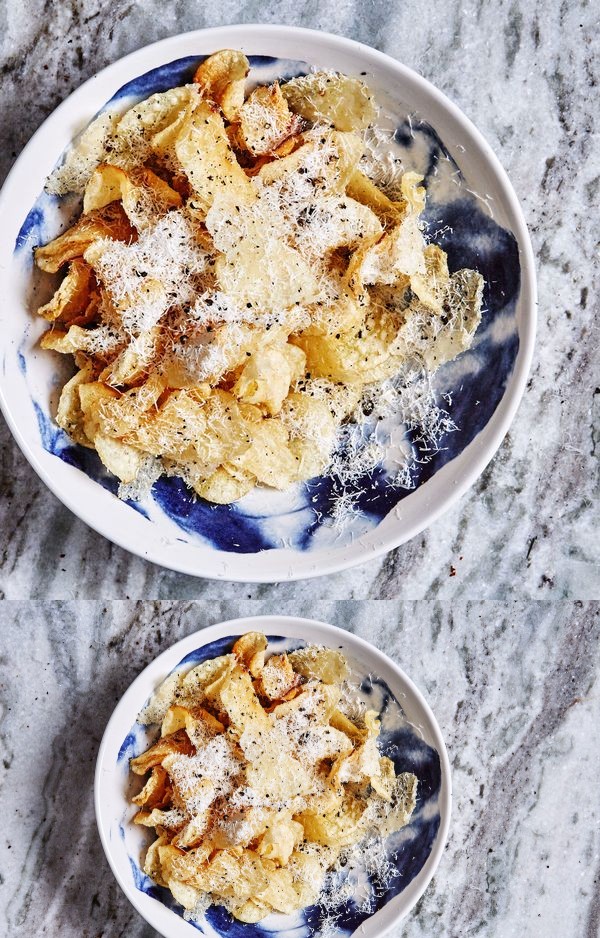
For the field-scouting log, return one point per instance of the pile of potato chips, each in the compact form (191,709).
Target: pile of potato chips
(236,281)
(260,780)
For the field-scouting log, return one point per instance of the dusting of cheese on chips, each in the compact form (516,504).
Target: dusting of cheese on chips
(248,284)
(267,783)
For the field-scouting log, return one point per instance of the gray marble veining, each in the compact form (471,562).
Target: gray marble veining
(514,687)
(526,73)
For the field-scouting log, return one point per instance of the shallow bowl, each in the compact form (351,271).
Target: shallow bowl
(409,735)
(269,536)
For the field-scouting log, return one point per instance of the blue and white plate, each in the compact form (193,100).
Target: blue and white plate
(473,213)
(409,735)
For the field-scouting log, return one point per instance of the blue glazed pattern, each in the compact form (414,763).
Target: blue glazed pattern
(458,220)
(408,849)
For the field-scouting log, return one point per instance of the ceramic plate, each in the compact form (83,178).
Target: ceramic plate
(409,735)
(472,212)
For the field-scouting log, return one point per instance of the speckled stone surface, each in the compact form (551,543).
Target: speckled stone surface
(525,73)
(515,688)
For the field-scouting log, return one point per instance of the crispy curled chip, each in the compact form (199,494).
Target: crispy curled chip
(281,838)
(108,222)
(363,190)
(166,745)
(171,820)
(268,457)
(69,415)
(267,376)
(329,160)
(110,183)
(277,678)
(222,78)
(199,724)
(203,150)
(184,866)
(319,663)
(238,699)
(87,152)
(156,793)
(206,679)
(72,296)
(250,649)
(119,458)
(225,485)
(339,828)
(331,98)
(335,222)
(264,121)
(153,115)
(152,862)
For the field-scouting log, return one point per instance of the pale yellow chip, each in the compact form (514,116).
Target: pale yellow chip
(343,102)
(267,376)
(265,120)
(69,415)
(319,663)
(203,151)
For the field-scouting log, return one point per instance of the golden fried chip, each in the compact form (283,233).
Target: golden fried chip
(110,183)
(108,222)
(222,77)
(156,792)
(167,745)
(277,678)
(265,121)
(73,294)
(249,649)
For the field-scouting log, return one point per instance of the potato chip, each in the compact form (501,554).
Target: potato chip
(280,839)
(108,222)
(249,649)
(267,375)
(156,793)
(225,485)
(329,160)
(69,415)
(329,97)
(265,121)
(167,745)
(318,663)
(203,150)
(109,183)
(340,828)
(73,294)
(277,678)
(363,190)
(222,77)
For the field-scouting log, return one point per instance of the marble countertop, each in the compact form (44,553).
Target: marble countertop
(525,74)
(514,687)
